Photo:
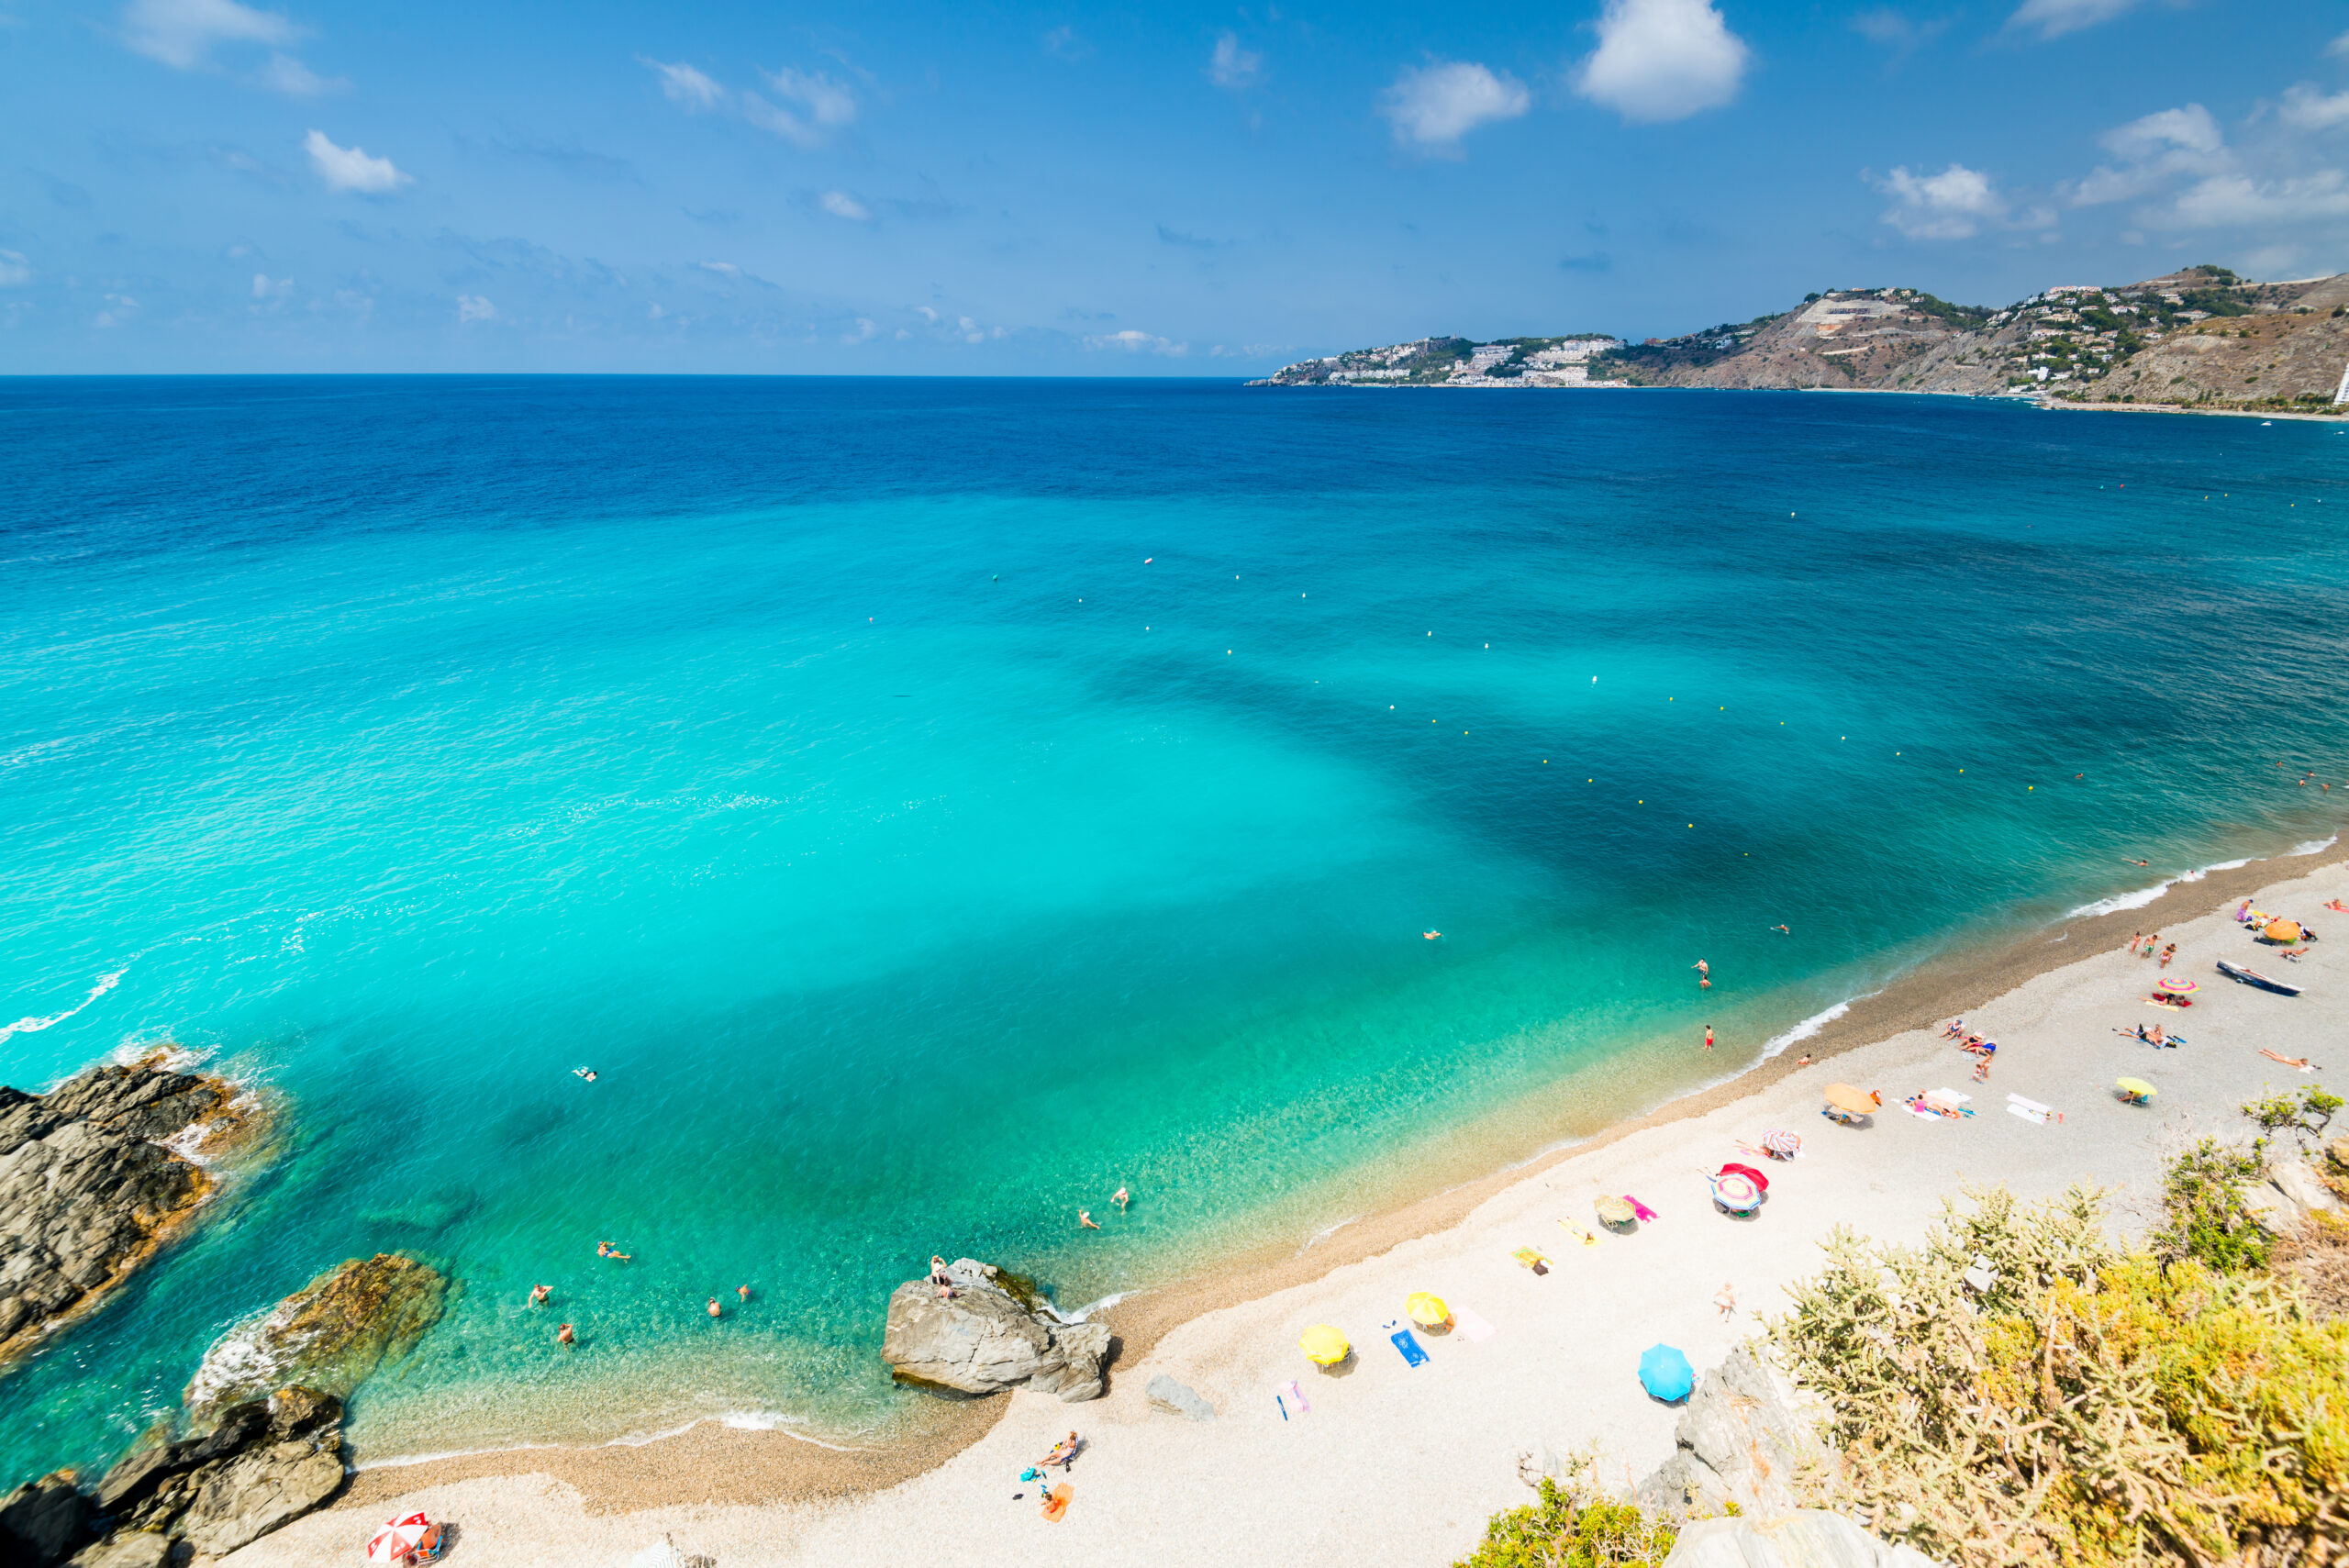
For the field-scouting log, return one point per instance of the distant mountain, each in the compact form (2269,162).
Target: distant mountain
(2199,338)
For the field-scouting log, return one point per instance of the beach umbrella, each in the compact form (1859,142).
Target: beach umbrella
(1665,1374)
(1428,1311)
(1750,1174)
(1736,1193)
(1615,1210)
(2284,931)
(397,1541)
(2176,986)
(1844,1097)
(2137,1087)
(1781,1143)
(1323,1345)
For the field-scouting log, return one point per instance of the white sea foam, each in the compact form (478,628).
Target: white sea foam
(1325,1233)
(2145,895)
(2316,846)
(1090,1307)
(30,1025)
(1807,1028)
(739,1420)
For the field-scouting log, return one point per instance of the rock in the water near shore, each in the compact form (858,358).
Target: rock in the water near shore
(1809,1539)
(994,1333)
(88,1190)
(128,1549)
(43,1520)
(1178,1399)
(328,1336)
(262,1466)
(1743,1438)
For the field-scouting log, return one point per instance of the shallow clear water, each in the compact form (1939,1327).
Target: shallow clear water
(929,805)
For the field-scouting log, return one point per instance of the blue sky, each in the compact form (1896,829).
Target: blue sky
(1002,189)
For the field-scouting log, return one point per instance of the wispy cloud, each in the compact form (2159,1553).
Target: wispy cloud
(286,75)
(2053,18)
(474,307)
(1432,106)
(181,33)
(1663,60)
(1233,67)
(681,84)
(15,271)
(2152,152)
(349,168)
(1898,31)
(1951,205)
(840,204)
(1177,236)
(1062,43)
(1133,342)
(2308,108)
(823,106)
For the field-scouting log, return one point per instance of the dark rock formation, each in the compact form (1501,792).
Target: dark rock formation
(87,1192)
(329,1335)
(42,1520)
(994,1333)
(1743,1438)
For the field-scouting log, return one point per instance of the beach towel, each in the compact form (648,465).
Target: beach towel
(1056,1501)
(1470,1326)
(1647,1215)
(1527,1257)
(1412,1355)
(1295,1396)
(2026,1113)
(1587,1238)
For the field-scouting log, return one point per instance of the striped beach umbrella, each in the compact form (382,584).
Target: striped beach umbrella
(397,1541)
(1615,1210)
(2176,985)
(1782,1144)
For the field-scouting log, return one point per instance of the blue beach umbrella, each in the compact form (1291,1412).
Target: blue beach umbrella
(1665,1374)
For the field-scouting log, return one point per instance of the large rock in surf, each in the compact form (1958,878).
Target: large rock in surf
(87,1189)
(264,1465)
(329,1335)
(994,1333)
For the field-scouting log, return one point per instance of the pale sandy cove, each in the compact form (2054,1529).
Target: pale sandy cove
(1403,1466)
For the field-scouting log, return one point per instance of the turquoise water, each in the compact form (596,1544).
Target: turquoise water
(930,805)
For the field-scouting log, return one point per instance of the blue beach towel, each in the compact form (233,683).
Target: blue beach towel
(1412,1354)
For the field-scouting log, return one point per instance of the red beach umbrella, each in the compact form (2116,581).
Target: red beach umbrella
(397,1541)
(1750,1174)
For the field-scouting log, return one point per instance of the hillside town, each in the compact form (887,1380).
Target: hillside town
(2203,337)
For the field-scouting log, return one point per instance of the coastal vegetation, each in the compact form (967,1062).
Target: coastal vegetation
(1574,1526)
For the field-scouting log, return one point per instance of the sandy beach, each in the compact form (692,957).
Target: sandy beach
(1413,1461)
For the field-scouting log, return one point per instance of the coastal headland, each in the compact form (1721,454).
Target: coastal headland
(2203,340)
(1415,1459)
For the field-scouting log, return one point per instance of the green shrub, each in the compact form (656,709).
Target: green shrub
(2305,1117)
(1570,1527)
(2092,1408)
(2209,1221)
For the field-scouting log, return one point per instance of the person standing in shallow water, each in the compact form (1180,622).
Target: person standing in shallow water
(1120,1197)
(1084,1219)
(1709,1037)
(563,1336)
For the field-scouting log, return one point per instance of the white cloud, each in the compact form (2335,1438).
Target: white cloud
(2155,150)
(181,33)
(2305,109)
(2225,201)
(286,75)
(15,270)
(1433,106)
(349,168)
(1951,205)
(2339,47)
(681,84)
(725,269)
(825,105)
(267,287)
(840,204)
(1133,342)
(119,308)
(2053,18)
(472,307)
(1232,66)
(1663,60)
(2191,127)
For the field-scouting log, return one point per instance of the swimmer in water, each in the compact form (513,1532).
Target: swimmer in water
(1431,935)
(1084,1219)
(743,1291)
(1120,1197)
(539,1294)
(714,1311)
(563,1336)
(583,1073)
(1782,930)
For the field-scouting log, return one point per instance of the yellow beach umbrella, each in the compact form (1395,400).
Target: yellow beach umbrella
(1844,1097)
(1323,1345)
(2136,1088)
(1428,1311)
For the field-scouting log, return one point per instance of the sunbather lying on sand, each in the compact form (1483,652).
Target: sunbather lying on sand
(2299,1061)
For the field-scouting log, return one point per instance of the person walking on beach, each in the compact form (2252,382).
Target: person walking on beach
(1120,1197)
(1709,1037)
(1726,1299)
(1084,1219)
(563,1336)
(2133,941)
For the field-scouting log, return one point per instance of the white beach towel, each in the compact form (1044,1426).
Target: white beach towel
(2028,1114)
(1472,1327)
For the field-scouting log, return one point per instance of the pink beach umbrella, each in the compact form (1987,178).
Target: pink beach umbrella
(1736,1191)
(397,1541)
(2176,985)
(1781,1143)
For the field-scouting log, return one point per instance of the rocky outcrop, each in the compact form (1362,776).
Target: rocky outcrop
(264,1465)
(994,1333)
(87,1189)
(1743,1438)
(1810,1540)
(1178,1399)
(328,1336)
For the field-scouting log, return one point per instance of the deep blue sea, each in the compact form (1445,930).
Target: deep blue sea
(929,805)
